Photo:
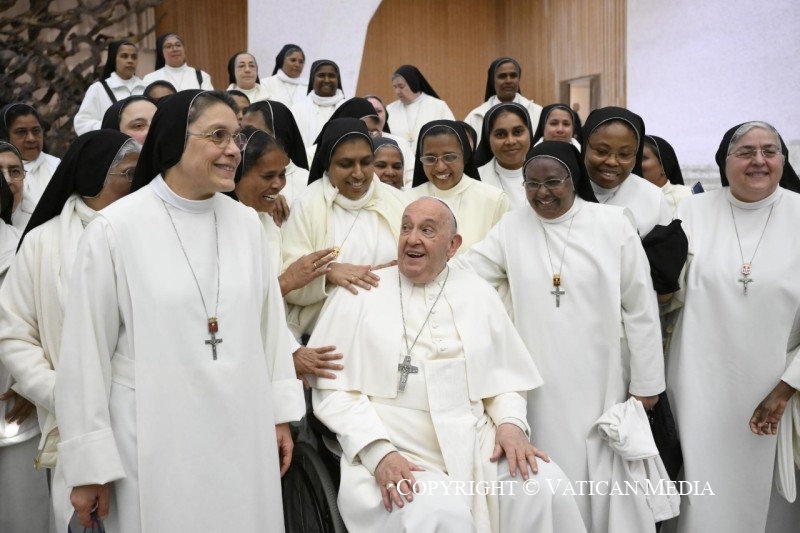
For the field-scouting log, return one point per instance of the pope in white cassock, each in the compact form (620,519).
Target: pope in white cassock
(578,278)
(736,341)
(176,381)
(433,391)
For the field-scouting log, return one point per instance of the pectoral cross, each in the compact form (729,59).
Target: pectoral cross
(213,327)
(405,368)
(558,292)
(745,279)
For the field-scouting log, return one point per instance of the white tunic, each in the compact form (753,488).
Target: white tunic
(477,206)
(183,77)
(728,352)
(576,346)
(25,497)
(38,174)
(406,120)
(96,101)
(256,94)
(312,113)
(644,200)
(473,371)
(296,183)
(155,413)
(10,433)
(508,181)
(31,317)
(287,93)
(475,117)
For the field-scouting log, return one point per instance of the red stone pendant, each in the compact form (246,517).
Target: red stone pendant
(213,327)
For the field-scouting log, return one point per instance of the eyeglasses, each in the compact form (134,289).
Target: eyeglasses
(222,137)
(129,173)
(430,160)
(14,173)
(171,46)
(750,153)
(22,132)
(605,154)
(550,185)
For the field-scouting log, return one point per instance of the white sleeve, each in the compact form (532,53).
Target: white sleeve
(90,115)
(287,391)
(88,451)
(640,317)
(21,348)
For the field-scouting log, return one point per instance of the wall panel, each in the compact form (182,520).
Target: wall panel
(213,32)
(568,39)
(453,42)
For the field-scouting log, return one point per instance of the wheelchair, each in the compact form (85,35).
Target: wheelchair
(310,487)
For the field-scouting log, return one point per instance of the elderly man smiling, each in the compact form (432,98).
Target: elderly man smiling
(434,391)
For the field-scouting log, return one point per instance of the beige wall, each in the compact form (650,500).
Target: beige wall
(452,42)
(213,32)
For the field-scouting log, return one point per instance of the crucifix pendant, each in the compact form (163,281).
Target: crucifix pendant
(213,327)
(405,368)
(558,292)
(745,279)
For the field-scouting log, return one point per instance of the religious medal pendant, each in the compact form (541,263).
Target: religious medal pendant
(213,328)
(745,279)
(558,293)
(405,368)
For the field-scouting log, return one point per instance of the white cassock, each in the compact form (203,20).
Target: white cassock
(607,292)
(188,441)
(674,195)
(313,112)
(94,105)
(286,90)
(406,120)
(365,230)
(31,315)
(475,117)
(644,200)
(508,181)
(38,174)
(296,183)
(477,206)
(472,374)
(257,93)
(182,78)
(728,351)
(24,504)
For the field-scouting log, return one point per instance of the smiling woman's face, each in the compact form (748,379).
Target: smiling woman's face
(350,169)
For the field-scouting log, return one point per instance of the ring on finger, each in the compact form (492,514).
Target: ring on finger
(390,486)
(315,265)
